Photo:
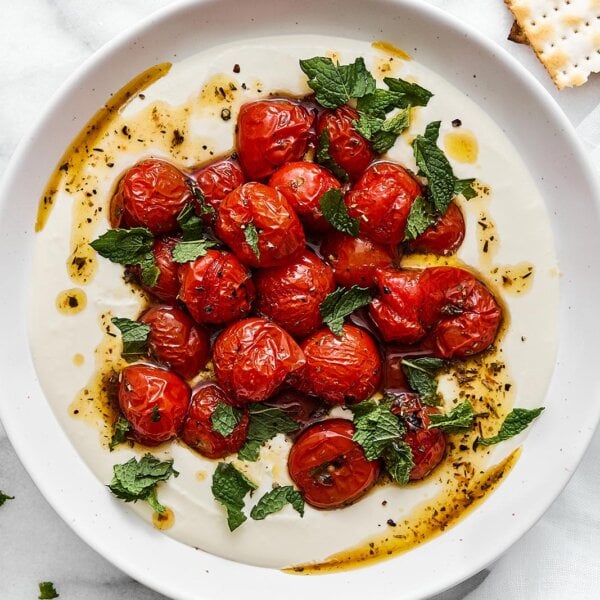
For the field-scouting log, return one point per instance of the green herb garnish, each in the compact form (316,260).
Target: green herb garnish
(4,497)
(120,430)
(190,223)
(516,421)
(189,251)
(336,213)
(342,303)
(251,235)
(225,418)
(47,591)
(324,158)
(421,373)
(229,487)
(134,336)
(275,500)
(460,417)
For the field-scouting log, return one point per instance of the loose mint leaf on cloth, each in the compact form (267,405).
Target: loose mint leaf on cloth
(398,460)
(434,165)
(376,427)
(4,497)
(342,303)
(47,591)
(421,373)
(134,336)
(275,500)
(133,480)
(516,421)
(190,223)
(229,487)
(189,251)
(129,247)
(412,94)
(324,158)
(120,430)
(335,84)
(225,418)
(251,235)
(460,417)
(336,213)
(421,216)
(265,423)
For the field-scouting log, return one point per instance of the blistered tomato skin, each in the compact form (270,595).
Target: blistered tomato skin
(303,184)
(198,432)
(216,288)
(176,341)
(354,260)
(348,148)
(154,401)
(396,311)
(253,357)
(271,133)
(216,180)
(291,295)
(461,313)
(167,285)
(382,199)
(340,370)
(444,237)
(280,233)
(151,194)
(328,467)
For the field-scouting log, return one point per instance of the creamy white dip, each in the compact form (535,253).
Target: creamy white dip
(271,65)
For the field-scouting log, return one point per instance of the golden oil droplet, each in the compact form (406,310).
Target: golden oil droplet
(462,146)
(78,359)
(391,49)
(201,475)
(82,264)
(71,302)
(164,520)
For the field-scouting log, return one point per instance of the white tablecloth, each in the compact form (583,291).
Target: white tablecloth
(41,42)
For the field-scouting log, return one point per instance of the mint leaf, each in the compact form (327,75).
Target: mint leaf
(376,427)
(411,93)
(398,460)
(421,373)
(125,246)
(191,250)
(229,487)
(205,208)
(190,223)
(120,430)
(251,235)
(516,421)
(47,591)
(341,303)
(336,213)
(368,125)
(265,423)
(150,272)
(324,158)
(434,165)
(421,216)
(133,480)
(379,103)
(335,84)
(134,336)
(465,188)
(275,500)
(225,418)
(460,417)
(4,497)
(385,138)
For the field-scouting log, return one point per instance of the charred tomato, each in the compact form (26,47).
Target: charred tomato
(444,237)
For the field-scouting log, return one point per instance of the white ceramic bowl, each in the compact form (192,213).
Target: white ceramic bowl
(546,142)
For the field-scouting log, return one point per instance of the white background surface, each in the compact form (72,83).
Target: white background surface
(41,43)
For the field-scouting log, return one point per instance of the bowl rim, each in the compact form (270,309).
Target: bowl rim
(44,473)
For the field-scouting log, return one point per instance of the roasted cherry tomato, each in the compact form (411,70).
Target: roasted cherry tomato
(303,184)
(262,210)
(216,288)
(347,147)
(330,469)
(461,313)
(151,194)
(397,310)
(154,401)
(340,370)
(354,260)
(166,287)
(176,341)
(271,133)
(382,199)
(253,357)
(291,295)
(216,181)
(444,237)
(198,432)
